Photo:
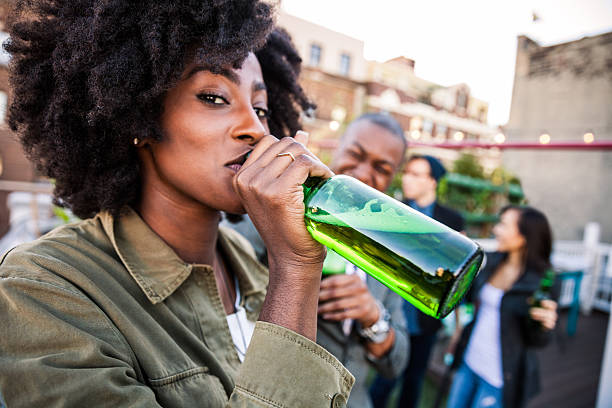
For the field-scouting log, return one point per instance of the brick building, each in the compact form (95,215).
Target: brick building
(333,75)
(344,85)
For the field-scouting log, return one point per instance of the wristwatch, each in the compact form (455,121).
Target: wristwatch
(378,332)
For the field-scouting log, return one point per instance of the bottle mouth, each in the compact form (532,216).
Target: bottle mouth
(463,281)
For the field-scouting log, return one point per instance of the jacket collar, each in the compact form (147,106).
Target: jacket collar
(159,271)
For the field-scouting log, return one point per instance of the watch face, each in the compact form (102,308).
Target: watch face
(381,327)
(377,333)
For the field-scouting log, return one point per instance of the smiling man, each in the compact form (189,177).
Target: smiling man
(360,320)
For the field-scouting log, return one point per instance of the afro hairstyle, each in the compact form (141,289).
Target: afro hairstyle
(90,76)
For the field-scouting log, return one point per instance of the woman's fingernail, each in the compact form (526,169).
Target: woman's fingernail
(302,135)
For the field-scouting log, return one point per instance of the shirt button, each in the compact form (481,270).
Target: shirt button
(339,401)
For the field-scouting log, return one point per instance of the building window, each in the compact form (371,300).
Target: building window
(441,132)
(482,114)
(315,55)
(345,64)
(427,126)
(462,99)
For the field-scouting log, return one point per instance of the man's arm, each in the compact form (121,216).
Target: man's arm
(348,297)
(392,363)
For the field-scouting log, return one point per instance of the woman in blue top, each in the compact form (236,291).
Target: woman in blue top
(497,365)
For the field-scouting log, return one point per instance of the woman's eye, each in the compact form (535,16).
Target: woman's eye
(213,99)
(262,113)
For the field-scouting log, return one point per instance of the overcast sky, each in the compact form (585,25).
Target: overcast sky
(454,41)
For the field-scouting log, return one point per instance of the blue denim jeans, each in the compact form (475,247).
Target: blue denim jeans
(469,390)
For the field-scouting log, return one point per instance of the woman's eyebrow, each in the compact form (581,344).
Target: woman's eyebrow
(258,86)
(215,71)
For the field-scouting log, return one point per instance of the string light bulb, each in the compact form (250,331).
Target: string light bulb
(499,138)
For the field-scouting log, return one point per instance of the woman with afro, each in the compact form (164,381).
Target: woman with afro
(152,118)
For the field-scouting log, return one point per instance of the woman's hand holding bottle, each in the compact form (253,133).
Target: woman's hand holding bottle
(545,313)
(270,186)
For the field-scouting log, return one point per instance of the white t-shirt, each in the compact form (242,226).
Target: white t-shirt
(483,354)
(240,327)
(347,324)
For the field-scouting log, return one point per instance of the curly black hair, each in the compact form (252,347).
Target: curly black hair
(280,65)
(89,76)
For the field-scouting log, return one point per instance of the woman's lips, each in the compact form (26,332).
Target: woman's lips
(237,163)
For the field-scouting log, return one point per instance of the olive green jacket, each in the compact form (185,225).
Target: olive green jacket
(104,313)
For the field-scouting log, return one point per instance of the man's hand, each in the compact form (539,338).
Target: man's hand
(347,297)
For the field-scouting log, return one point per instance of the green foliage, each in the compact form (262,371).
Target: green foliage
(468,165)
(395,189)
(468,200)
(63,215)
(479,196)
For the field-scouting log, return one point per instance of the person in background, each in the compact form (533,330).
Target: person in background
(153,118)
(360,320)
(497,364)
(420,180)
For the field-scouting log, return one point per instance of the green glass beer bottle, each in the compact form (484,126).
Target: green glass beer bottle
(425,262)
(544,292)
(334,264)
